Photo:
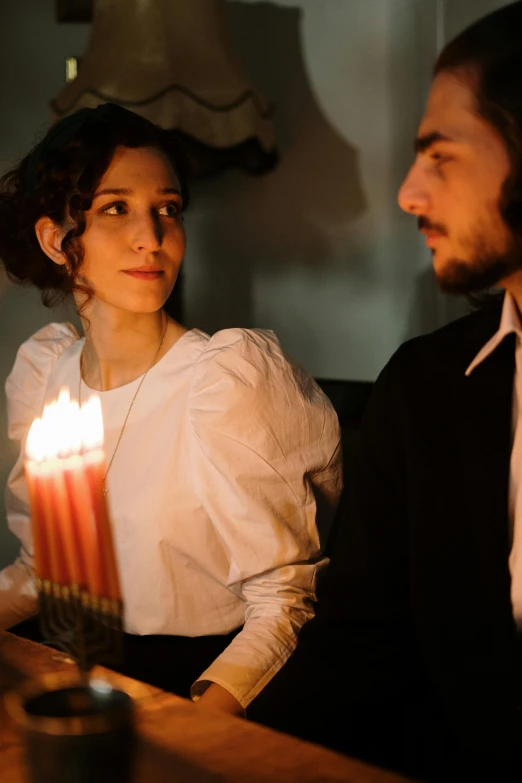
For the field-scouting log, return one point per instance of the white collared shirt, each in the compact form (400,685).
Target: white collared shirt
(510,323)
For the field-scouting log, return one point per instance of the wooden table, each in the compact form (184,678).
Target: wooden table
(178,741)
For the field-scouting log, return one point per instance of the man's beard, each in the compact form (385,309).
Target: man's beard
(483,269)
(477,274)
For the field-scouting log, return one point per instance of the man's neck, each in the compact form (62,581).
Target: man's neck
(513,284)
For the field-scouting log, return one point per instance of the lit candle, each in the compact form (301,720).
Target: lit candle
(49,557)
(42,555)
(82,520)
(96,470)
(70,521)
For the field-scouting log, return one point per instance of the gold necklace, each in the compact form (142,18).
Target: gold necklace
(151,365)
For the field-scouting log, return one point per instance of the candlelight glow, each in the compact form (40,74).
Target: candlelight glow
(92,424)
(65,429)
(35,448)
(65,471)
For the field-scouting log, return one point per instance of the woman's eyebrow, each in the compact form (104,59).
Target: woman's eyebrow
(114,192)
(129,192)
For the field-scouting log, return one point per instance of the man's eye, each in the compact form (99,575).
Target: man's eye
(172,209)
(438,157)
(118,208)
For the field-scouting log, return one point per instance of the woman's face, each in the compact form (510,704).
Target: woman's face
(134,239)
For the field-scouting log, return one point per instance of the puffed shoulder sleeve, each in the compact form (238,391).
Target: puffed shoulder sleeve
(267,436)
(266,461)
(25,385)
(25,392)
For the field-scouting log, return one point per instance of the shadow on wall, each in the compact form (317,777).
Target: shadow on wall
(242,225)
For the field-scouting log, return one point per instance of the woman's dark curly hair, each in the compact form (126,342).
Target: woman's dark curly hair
(58,179)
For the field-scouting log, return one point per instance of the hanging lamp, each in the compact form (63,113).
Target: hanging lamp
(173,62)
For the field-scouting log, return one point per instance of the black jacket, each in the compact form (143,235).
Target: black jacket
(411,662)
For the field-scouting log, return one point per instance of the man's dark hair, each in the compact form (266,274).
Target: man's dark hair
(489,52)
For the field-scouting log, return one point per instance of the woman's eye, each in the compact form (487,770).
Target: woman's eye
(115,209)
(172,209)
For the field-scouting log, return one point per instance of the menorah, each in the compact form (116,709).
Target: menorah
(78,729)
(86,628)
(79,596)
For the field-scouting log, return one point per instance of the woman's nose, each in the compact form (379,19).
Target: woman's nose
(148,234)
(413,195)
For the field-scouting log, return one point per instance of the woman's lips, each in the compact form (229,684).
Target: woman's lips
(144,274)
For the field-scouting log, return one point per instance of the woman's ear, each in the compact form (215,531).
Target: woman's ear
(50,235)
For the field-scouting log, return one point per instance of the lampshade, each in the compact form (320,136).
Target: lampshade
(173,62)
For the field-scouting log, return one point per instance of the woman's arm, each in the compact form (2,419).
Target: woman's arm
(266,463)
(18,599)
(25,392)
(278,603)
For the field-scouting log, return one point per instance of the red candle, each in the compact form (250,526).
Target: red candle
(96,469)
(65,471)
(60,567)
(83,520)
(42,558)
(50,562)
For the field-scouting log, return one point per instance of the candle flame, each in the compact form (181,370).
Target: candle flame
(34,446)
(66,429)
(92,424)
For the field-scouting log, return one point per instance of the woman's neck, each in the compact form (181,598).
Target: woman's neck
(119,347)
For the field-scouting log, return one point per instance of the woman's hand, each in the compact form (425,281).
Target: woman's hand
(219,698)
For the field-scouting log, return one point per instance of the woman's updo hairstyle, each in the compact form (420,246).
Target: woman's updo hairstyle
(58,179)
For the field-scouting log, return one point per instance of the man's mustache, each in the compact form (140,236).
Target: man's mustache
(426,225)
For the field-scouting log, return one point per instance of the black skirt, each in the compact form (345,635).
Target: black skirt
(172,663)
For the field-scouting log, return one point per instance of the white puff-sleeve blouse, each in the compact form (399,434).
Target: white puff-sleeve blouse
(222,492)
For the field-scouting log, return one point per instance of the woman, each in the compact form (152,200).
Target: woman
(224,465)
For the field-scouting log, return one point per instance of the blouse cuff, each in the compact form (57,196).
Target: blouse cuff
(200,686)
(252,681)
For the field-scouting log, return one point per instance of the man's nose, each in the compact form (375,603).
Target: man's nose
(148,234)
(413,196)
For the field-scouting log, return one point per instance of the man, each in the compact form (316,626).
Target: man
(413,661)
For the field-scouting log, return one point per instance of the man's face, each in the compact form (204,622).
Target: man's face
(454,187)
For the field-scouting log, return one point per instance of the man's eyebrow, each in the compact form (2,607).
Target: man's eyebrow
(129,192)
(422,143)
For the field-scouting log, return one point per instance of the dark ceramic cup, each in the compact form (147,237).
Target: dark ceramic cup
(75,732)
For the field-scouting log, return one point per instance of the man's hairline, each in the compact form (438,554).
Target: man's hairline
(469,74)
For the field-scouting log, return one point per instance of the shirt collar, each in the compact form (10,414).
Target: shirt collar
(509,323)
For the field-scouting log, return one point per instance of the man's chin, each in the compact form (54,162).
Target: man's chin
(458,277)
